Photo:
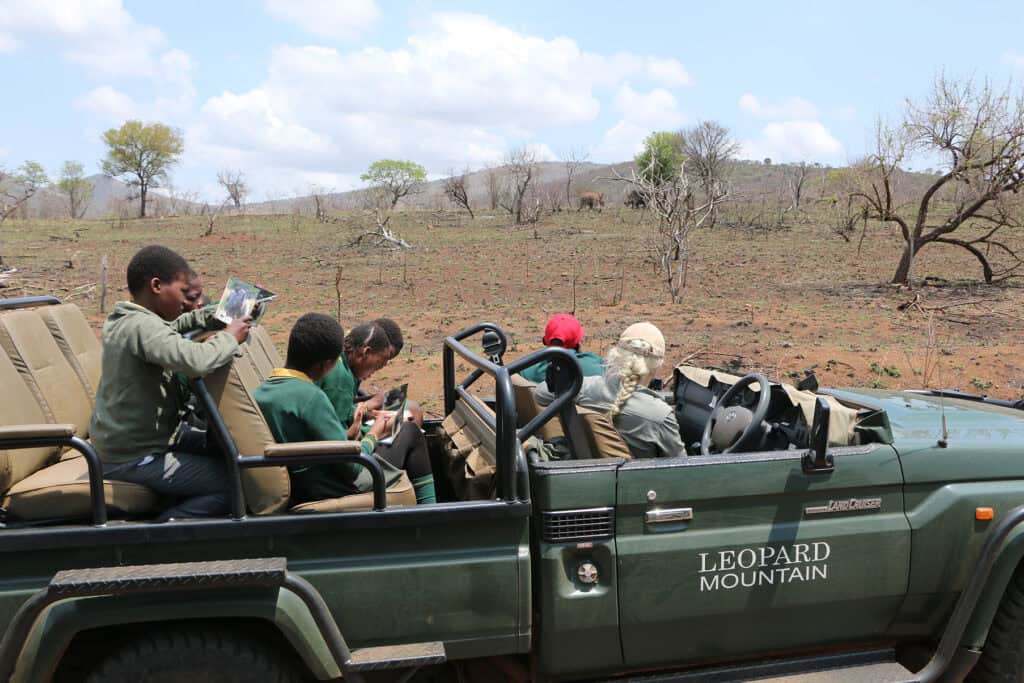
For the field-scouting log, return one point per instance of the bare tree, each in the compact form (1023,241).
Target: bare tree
(979,134)
(574,160)
(674,207)
(521,167)
(234,184)
(18,187)
(377,203)
(796,177)
(455,190)
(493,186)
(708,149)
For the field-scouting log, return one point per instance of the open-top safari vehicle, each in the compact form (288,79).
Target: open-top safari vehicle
(874,534)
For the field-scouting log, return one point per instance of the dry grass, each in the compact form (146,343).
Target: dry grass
(778,301)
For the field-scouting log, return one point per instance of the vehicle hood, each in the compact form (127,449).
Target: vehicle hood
(983,441)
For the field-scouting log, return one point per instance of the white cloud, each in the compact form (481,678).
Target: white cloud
(109,103)
(788,141)
(462,90)
(8,43)
(641,113)
(793,132)
(327,18)
(1014,59)
(174,104)
(794,108)
(99,34)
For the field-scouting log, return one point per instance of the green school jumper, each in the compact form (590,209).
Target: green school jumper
(340,385)
(297,410)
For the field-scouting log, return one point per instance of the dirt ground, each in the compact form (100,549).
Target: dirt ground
(783,302)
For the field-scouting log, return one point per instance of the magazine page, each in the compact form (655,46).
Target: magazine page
(241,299)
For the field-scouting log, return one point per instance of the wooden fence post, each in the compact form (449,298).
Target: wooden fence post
(104,262)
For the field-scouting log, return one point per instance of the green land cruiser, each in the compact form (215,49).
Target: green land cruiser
(841,535)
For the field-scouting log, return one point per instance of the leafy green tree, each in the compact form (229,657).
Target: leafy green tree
(142,153)
(395,179)
(75,187)
(661,158)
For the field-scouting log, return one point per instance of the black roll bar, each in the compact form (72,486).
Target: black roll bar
(510,462)
(562,399)
(235,462)
(97,501)
(28,302)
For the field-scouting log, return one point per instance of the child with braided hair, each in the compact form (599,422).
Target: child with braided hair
(646,422)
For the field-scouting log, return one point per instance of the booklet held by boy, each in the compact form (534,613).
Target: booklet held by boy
(240,299)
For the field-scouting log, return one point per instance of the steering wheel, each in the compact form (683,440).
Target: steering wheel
(755,429)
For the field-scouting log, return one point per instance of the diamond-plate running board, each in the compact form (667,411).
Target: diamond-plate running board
(413,655)
(172,576)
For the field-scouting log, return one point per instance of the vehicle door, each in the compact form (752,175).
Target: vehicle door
(723,556)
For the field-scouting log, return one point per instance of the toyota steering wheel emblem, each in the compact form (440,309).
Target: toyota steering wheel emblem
(729,417)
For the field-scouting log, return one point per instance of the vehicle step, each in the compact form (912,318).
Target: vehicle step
(882,672)
(176,575)
(864,666)
(397,656)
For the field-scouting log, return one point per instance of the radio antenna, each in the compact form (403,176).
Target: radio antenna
(943,441)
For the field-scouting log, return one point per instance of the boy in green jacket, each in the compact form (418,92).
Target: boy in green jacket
(296,409)
(138,404)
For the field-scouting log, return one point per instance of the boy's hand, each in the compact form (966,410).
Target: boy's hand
(239,329)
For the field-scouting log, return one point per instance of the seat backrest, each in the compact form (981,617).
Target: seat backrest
(605,440)
(19,407)
(77,341)
(263,352)
(26,340)
(471,453)
(527,408)
(232,387)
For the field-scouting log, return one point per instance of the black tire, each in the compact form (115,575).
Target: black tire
(201,655)
(1002,660)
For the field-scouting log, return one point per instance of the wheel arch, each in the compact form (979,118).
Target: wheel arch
(1010,560)
(52,638)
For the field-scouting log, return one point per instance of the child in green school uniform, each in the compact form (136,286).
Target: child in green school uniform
(368,348)
(138,404)
(296,409)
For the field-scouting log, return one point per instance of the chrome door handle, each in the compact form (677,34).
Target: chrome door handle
(668,515)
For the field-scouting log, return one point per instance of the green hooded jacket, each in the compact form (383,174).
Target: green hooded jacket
(138,402)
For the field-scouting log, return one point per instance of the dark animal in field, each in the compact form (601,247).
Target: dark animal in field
(591,200)
(635,200)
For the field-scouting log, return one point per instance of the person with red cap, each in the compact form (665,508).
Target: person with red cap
(565,330)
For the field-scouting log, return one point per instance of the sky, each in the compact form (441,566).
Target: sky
(308,93)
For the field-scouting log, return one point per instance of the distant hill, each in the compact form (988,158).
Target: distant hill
(750,180)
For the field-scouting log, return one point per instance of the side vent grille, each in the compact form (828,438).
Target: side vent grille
(572,526)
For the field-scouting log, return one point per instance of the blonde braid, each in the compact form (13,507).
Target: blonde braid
(631,361)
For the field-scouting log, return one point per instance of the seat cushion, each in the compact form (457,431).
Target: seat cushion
(62,491)
(19,407)
(527,408)
(77,341)
(605,440)
(399,493)
(58,390)
(267,489)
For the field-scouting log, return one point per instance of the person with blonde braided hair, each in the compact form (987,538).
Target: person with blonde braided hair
(646,422)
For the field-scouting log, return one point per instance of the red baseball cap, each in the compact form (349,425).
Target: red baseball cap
(565,328)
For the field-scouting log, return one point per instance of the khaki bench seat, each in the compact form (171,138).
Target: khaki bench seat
(62,491)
